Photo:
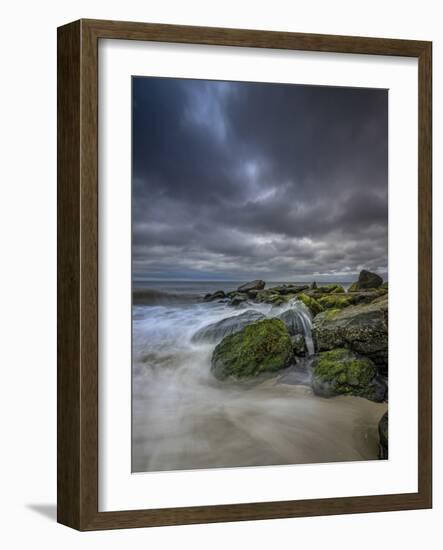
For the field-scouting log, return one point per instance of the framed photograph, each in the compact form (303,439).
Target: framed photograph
(244,275)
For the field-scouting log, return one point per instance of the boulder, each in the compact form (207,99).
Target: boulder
(342,372)
(380,299)
(365,296)
(328,289)
(275,300)
(293,321)
(262,296)
(299,344)
(311,303)
(362,328)
(263,347)
(238,298)
(366,280)
(288,289)
(383,435)
(269,297)
(253,285)
(338,290)
(217,331)
(336,301)
(219,295)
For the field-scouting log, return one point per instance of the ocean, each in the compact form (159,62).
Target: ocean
(183,418)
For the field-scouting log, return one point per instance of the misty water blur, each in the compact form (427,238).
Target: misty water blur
(183,418)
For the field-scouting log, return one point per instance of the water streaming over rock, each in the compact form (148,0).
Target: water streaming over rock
(303,315)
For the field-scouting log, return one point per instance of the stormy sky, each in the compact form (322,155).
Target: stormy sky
(238,181)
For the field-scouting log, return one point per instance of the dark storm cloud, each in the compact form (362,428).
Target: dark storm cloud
(241,180)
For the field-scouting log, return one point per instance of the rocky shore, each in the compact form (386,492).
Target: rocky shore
(338,339)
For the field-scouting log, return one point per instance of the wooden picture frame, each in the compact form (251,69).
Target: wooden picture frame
(78,274)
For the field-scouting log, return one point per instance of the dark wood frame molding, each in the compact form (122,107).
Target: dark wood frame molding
(77,456)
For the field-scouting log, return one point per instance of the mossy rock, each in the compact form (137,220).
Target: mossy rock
(215,332)
(336,301)
(311,303)
(362,328)
(288,289)
(338,290)
(262,347)
(329,289)
(263,296)
(275,300)
(354,288)
(238,298)
(383,298)
(270,297)
(341,372)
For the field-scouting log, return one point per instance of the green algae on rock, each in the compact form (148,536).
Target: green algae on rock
(342,372)
(311,303)
(217,331)
(264,346)
(328,289)
(336,301)
(362,328)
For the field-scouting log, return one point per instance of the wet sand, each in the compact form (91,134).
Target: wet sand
(269,424)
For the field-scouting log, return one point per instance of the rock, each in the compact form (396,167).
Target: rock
(366,296)
(385,286)
(383,435)
(264,346)
(288,289)
(336,301)
(217,331)
(342,372)
(219,295)
(253,285)
(361,328)
(275,300)
(338,289)
(328,289)
(311,303)
(314,286)
(299,344)
(366,280)
(269,297)
(262,296)
(380,299)
(293,322)
(238,299)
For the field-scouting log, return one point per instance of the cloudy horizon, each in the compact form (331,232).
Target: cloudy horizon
(236,181)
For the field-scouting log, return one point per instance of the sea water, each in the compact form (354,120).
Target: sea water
(183,418)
